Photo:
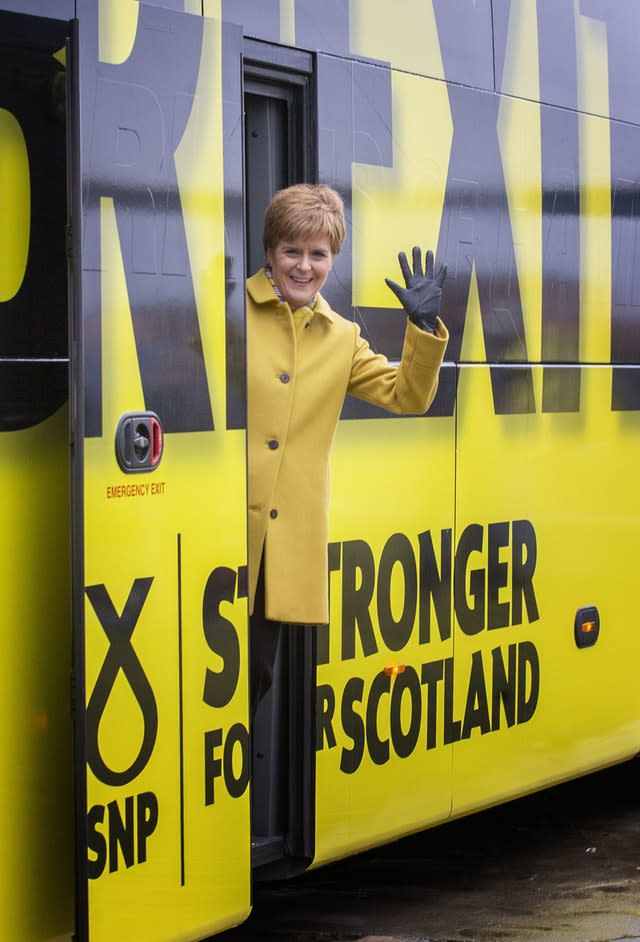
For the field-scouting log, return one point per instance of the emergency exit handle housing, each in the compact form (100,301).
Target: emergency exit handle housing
(139,442)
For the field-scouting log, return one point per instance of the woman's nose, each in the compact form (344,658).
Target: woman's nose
(304,262)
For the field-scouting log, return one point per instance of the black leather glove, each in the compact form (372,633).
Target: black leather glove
(421,297)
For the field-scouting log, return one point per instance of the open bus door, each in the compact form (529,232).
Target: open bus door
(159,506)
(277,103)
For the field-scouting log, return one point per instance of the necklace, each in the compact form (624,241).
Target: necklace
(268,272)
(275,287)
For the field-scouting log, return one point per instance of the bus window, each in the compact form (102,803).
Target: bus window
(265,131)
(278,149)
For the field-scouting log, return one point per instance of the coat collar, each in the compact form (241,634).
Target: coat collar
(261,292)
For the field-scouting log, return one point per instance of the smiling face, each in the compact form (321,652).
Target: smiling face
(300,268)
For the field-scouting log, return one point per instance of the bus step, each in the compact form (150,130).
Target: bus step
(265,850)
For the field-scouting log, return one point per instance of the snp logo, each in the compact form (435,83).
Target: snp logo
(127,829)
(119,831)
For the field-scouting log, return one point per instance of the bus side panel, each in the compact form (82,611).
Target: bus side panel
(384,763)
(543,454)
(591,44)
(36,805)
(33,279)
(166,822)
(516,197)
(428,37)
(547,512)
(383,767)
(52,9)
(449,39)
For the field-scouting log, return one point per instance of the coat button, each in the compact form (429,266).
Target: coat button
(284,377)
(273,513)
(273,444)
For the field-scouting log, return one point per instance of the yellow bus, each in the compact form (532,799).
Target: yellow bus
(481,642)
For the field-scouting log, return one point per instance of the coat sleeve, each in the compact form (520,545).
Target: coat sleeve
(407,388)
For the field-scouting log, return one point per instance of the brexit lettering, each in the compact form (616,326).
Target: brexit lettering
(476,233)
(135,118)
(32,193)
(487,584)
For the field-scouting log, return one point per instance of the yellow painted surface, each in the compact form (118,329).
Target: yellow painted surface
(117,26)
(404,486)
(36,800)
(191,878)
(595,240)
(559,472)
(570,476)
(395,208)
(15,205)
(521,69)
(519,136)
(593,66)
(520,75)
(389,476)
(408,39)
(287,22)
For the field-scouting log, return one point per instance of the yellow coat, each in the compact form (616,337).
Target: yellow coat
(296,387)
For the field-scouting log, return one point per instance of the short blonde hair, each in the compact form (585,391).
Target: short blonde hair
(305,211)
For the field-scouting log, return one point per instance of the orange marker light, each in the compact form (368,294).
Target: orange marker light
(392,669)
(40,720)
(586,626)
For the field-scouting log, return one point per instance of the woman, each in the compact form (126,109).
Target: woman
(303,359)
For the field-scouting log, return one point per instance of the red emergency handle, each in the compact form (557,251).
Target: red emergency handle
(156,442)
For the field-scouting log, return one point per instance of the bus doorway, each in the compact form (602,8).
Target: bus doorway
(36,810)
(278,153)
